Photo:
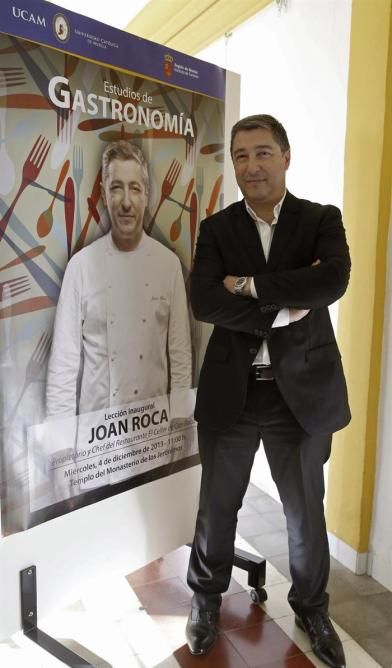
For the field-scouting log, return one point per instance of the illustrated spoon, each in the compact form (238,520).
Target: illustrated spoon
(175,229)
(45,221)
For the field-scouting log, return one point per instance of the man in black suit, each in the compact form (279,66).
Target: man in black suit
(266,270)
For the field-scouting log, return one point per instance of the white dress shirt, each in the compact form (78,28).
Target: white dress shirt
(266,233)
(121,332)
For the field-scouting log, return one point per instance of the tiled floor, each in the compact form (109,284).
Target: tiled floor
(248,636)
(140,622)
(359,604)
(267,636)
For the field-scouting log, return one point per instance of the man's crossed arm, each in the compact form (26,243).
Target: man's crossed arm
(287,315)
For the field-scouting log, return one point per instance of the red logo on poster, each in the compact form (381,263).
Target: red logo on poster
(169,65)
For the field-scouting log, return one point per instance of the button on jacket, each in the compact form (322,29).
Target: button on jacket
(121,331)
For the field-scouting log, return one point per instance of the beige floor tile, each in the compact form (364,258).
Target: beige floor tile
(20,652)
(93,636)
(138,630)
(241,577)
(276,605)
(341,632)
(243,544)
(273,576)
(114,596)
(316,662)
(173,628)
(288,625)
(356,657)
(153,659)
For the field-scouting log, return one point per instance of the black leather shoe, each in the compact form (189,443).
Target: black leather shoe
(201,631)
(325,642)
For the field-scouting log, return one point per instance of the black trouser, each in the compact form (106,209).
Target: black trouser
(296,461)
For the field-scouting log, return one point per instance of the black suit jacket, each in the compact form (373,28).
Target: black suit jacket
(304,355)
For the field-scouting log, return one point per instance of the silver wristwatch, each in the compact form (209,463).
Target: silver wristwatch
(240,284)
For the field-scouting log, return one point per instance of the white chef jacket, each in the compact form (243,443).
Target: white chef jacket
(121,331)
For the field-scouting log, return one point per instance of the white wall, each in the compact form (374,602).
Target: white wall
(294,65)
(380,561)
(112,537)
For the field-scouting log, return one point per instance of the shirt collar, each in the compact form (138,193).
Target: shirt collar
(112,246)
(277,209)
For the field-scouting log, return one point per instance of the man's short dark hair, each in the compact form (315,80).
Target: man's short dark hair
(124,150)
(265,122)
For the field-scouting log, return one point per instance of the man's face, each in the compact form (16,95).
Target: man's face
(260,166)
(125,197)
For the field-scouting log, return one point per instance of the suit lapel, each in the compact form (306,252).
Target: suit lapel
(248,237)
(285,231)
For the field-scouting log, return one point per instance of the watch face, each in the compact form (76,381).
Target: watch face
(240,284)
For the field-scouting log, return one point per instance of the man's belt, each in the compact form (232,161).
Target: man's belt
(261,372)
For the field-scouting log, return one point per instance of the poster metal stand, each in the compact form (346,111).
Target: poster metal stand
(28,590)
(253,564)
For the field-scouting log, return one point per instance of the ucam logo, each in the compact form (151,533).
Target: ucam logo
(28,16)
(61,28)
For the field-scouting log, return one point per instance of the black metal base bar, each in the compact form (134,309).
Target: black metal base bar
(252,563)
(256,568)
(28,590)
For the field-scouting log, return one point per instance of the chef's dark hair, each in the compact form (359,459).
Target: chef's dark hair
(265,122)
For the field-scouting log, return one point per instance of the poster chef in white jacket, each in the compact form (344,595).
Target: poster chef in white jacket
(121,331)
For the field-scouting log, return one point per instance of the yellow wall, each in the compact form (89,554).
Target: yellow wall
(367,198)
(191,25)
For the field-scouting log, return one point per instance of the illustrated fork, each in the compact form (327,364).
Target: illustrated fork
(34,367)
(167,188)
(64,126)
(192,152)
(14,287)
(65,130)
(30,171)
(190,161)
(78,171)
(11,76)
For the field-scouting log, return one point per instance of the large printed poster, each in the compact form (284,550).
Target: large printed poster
(97,368)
